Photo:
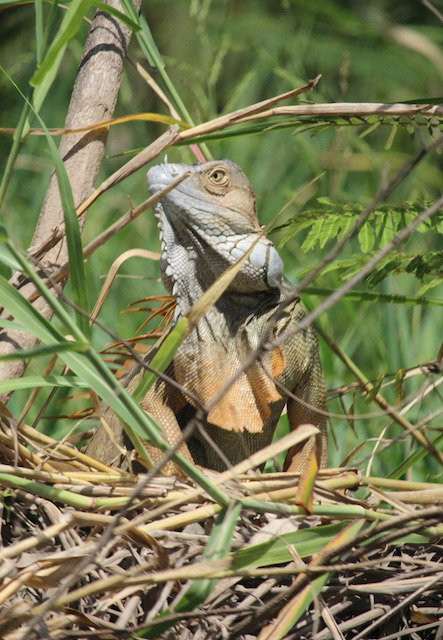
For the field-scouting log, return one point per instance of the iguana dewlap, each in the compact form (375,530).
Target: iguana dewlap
(206,223)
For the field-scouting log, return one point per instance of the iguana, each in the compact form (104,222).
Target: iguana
(206,223)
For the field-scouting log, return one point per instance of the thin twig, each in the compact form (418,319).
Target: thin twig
(434,10)
(403,603)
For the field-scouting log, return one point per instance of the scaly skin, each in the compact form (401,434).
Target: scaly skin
(206,224)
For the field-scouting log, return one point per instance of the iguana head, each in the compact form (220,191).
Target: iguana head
(206,223)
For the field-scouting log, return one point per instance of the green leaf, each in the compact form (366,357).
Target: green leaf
(39,36)
(314,236)
(12,3)
(423,264)
(391,137)
(369,130)
(10,324)
(375,296)
(326,201)
(366,238)
(296,607)
(413,459)
(77,277)
(436,282)
(71,23)
(276,550)
(347,224)
(107,8)
(8,259)
(438,100)
(299,604)
(27,315)
(37,382)
(150,50)
(73,236)
(163,357)
(329,230)
(218,547)
(90,368)
(28,354)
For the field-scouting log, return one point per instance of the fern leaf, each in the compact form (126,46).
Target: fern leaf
(436,282)
(314,236)
(375,296)
(366,238)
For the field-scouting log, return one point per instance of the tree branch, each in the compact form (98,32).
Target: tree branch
(93,99)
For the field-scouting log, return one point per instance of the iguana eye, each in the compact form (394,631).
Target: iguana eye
(218,176)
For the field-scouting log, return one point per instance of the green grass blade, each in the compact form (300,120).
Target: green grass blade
(132,24)
(26,314)
(413,459)
(36,382)
(10,324)
(73,236)
(150,50)
(299,604)
(77,274)
(375,296)
(277,549)
(47,350)
(218,546)
(163,357)
(152,53)
(8,259)
(39,36)
(16,141)
(39,93)
(91,369)
(296,607)
(71,23)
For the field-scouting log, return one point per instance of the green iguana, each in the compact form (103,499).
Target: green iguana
(206,223)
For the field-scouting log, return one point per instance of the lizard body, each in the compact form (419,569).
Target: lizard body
(206,223)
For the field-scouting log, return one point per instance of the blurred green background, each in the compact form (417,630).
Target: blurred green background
(222,55)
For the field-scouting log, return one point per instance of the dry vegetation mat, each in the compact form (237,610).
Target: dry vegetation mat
(94,552)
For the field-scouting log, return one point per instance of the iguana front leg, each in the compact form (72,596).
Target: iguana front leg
(311,394)
(109,441)
(302,379)
(163,403)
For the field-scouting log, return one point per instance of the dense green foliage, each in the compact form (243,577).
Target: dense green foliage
(224,55)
